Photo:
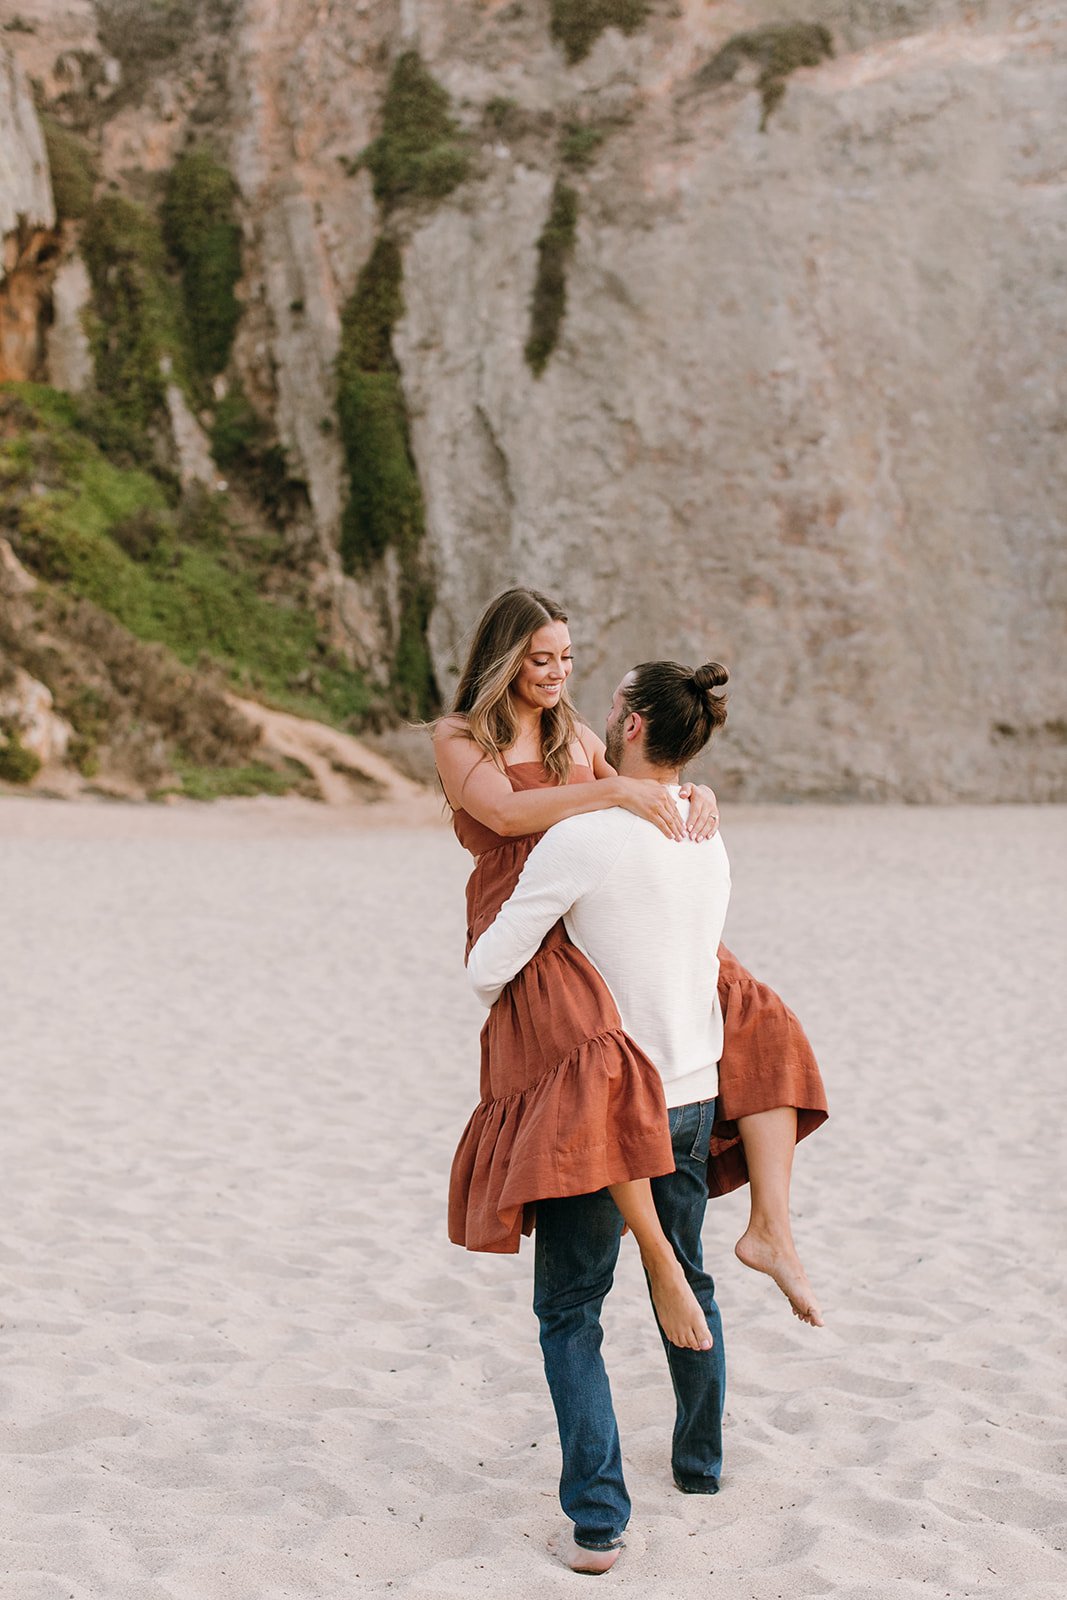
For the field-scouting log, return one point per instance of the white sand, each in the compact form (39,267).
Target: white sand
(240,1359)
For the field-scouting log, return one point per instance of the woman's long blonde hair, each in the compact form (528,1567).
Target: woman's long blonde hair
(501,644)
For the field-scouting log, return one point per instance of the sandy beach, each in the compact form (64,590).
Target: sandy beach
(240,1360)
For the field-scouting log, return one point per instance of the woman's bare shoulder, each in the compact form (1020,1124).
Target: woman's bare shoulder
(452,726)
(591,743)
(458,754)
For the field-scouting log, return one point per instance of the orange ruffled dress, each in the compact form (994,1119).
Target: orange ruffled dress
(569,1103)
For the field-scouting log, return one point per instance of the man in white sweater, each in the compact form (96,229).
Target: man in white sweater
(648,912)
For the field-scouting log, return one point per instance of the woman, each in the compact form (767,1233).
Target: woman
(569,1104)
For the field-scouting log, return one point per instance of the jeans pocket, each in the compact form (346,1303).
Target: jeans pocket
(699,1151)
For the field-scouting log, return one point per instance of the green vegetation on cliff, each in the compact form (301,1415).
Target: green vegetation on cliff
(580,142)
(17,764)
(385,502)
(243,446)
(419,153)
(154,601)
(200,782)
(778,49)
(578,24)
(164,310)
(172,573)
(201,232)
(133,707)
(72,167)
(384,509)
(163,302)
(136,327)
(554,248)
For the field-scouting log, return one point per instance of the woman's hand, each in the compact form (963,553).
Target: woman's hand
(645,797)
(703,810)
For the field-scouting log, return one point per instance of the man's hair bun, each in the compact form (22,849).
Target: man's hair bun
(710,677)
(682,707)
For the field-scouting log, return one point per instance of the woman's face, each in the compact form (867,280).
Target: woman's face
(546,668)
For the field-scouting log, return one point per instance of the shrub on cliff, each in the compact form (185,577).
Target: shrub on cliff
(200,230)
(778,49)
(136,324)
(243,444)
(413,684)
(580,142)
(72,168)
(384,506)
(385,502)
(578,24)
(418,153)
(17,764)
(384,510)
(554,249)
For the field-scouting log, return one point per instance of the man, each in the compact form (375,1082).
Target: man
(648,912)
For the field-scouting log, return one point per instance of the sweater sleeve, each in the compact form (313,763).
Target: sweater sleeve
(570,861)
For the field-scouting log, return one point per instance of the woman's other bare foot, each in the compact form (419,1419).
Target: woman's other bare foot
(779,1260)
(575,1556)
(677,1307)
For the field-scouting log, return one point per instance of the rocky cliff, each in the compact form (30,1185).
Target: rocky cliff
(25,190)
(27,216)
(739,327)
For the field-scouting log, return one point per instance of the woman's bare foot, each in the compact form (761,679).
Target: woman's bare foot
(575,1556)
(779,1260)
(677,1307)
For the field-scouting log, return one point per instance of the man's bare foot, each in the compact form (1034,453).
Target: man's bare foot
(780,1261)
(575,1556)
(677,1307)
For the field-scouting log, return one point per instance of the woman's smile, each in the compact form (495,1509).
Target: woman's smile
(550,652)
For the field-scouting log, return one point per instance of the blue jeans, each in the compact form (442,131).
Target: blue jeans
(576,1248)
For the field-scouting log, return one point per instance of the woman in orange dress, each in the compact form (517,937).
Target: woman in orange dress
(569,1104)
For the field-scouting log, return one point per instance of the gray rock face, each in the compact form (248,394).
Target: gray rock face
(27,215)
(51,39)
(25,186)
(806,416)
(26,706)
(70,359)
(195,462)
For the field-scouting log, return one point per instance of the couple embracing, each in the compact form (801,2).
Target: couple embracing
(630,1065)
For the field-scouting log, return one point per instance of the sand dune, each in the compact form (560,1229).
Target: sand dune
(241,1362)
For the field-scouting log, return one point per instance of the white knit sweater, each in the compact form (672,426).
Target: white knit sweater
(648,912)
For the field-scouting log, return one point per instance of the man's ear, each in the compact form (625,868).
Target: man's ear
(634,725)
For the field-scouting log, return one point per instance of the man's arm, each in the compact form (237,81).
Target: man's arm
(566,864)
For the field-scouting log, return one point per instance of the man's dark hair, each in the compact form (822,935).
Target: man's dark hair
(679,706)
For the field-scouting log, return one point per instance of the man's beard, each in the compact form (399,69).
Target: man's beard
(614,744)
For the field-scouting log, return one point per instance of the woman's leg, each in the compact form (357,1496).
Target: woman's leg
(769,1138)
(677,1307)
